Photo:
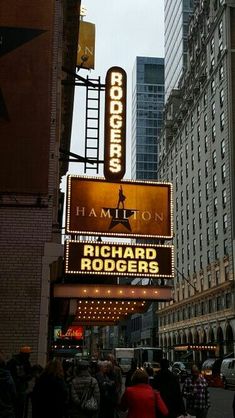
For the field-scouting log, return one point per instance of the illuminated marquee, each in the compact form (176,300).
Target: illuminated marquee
(128,209)
(115,124)
(118,259)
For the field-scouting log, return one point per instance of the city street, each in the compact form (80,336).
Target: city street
(221,403)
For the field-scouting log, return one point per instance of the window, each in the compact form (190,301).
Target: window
(192,162)
(182,198)
(223,173)
(205,122)
(212,46)
(187,191)
(186,170)
(213,133)
(213,86)
(200,198)
(208,236)
(221,97)
(205,99)
(200,242)
(206,143)
(187,231)
(213,111)
(216,229)
(192,142)
(198,133)
(207,214)
(199,175)
(188,251)
(198,110)
(216,252)
(207,191)
(222,148)
(215,182)
(194,226)
(214,159)
(187,211)
(224,197)
(222,121)
(219,303)
(206,168)
(194,247)
(215,206)
(221,73)
(220,29)
(186,151)
(208,256)
(225,222)
(193,204)
(200,220)
(226,272)
(193,184)
(194,266)
(228,300)
(198,153)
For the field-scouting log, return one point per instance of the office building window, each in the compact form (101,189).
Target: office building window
(212,46)
(194,226)
(207,191)
(200,241)
(224,197)
(199,198)
(207,214)
(215,182)
(205,122)
(222,121)
(228,300)
(226,272)
(208,236)
(194,246)
(221,97)
(182,198)
(192,162)
(222,148)
(187,231)
(225,247)
(193,184)
(206,168)
(214,159)
(215,205)
(192,142)
(200,220)
(187,211)
(216,252)
(194,266)
(225,222)
(206,143)
(209,280)
(217,273)
(223,173)
(200,262)
(213,111)
(205,99)
(212,86)
(221,73)
(216,229)
(188,251)
(187,192)
(198,133)
(213,133)
(186,151)
(220,29)
(193,204)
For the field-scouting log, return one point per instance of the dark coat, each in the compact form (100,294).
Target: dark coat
(169,388)
(50,397)
(7,394)
(81,383)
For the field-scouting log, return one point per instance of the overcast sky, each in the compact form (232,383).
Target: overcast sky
(125,29)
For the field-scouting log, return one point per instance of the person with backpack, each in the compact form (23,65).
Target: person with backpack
(84,393)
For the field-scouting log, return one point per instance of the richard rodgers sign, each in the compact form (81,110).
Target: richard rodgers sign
(126,208)
(118,259)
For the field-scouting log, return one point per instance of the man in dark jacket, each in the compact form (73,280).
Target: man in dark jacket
(7,391)
(169,388)
(20,368)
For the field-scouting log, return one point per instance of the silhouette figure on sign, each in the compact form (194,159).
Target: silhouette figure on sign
(121,198)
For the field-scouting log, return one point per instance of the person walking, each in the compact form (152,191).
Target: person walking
(7,391)
(195,391)
(81,385)
(140,400)
(168,385)
(50,393)
(108,398)
(20,368)
(130,372)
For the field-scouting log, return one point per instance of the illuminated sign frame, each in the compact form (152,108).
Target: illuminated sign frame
(119,259)
(115,124)
(126,209)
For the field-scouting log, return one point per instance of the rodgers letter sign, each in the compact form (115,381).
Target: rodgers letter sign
(115,124)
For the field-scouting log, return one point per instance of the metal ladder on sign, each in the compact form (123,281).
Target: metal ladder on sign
(92,125)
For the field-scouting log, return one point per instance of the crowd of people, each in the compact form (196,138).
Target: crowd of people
(82,389)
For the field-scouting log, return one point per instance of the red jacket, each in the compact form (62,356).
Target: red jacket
(141,400)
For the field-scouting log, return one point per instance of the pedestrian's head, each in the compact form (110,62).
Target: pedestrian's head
(195,370)
(55,368)
(164,364)
(139,376)
(81,365)
(25,351)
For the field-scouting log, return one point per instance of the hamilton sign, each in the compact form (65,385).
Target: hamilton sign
(126,208)
(118,259)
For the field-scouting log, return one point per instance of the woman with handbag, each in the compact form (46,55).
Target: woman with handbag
(141,400)
(84,393)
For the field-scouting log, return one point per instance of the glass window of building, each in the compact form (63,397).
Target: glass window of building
(194,246)
(221,73)
(214,158)
(188,251)
(193,184)
(187,211)
(215,182)
(221,97)
(217,272)
(182,198)
(205,122)
(223,173)
(220,48)
(194,226)
(200,262)
(193,204)
(228,300)
(199,198)
(209,280)
(216,252)
(199,174)
(222,148)
(207,214)
(200,242)
(192,162)
(198,110)
(225,222)
(206,143)
(194,266)
(187,231)
(200,220)
(213,110)
(215,206)
(206,168)
(208,256)
(182,236)
(220,29)
(224,197)
(222,121)
(198,133)
(216,229)
(212,45)
(186,151)
(212,86)
(213,133)
(192,142)
(186,170)
(199,153)
(226,272)
(205,99)
(208,236)
(207,190)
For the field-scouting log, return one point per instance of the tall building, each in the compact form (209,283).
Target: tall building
(147,115)
(177,14)
(147,118)
(197,155)
(39,40)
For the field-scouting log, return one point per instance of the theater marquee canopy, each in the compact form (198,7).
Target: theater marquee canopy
(95,258)
(125,209)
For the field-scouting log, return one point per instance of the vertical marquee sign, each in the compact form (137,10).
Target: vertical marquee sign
(115,124)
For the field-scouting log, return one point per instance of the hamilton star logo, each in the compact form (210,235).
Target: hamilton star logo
(120,215)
